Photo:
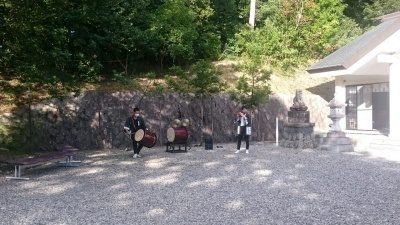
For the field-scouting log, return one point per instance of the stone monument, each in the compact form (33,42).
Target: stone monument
(298,132)
(336,139)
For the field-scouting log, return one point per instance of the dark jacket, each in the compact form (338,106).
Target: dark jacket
(135,124)
(248,119)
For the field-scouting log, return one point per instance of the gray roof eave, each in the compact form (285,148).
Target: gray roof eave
(325,69)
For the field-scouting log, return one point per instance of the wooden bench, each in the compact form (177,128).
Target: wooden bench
(63,151)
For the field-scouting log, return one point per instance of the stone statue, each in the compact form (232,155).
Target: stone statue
(298,104)
(298,132)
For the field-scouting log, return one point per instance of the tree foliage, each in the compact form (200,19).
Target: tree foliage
(355,10)
(64,41)
(59,42)
(252,87)
(293,31)
(367,12)
(208,42)
(202,78)
(377,8)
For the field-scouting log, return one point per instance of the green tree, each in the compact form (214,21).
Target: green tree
(252,89)
(174,32)
(296,31)
(243,10)
(208,42)
(202,79)
(225,19)
(355,10)
(45,42)
(4,52)
(378,8)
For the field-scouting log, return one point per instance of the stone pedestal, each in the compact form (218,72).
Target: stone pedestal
(336,141)
(298,117)
(298,132)
(298,135)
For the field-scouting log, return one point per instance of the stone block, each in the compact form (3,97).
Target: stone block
(298,116)
(337,142)
(336,134)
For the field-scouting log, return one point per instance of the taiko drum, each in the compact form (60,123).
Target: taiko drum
(177,134)
(146,138)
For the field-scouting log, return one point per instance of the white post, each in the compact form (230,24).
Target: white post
(394,119)
(394,79)
(252,12)
(276,131)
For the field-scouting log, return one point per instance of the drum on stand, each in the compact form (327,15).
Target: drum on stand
(177,134)
(185,122)
(176,123)
(146,138)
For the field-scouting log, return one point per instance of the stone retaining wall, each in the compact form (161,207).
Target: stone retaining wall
(94,120)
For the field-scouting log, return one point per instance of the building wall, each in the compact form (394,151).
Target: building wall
(340,89)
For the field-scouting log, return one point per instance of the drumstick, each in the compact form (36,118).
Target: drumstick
(128,133)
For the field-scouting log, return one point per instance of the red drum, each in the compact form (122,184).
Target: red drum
(146,138)
(177,134)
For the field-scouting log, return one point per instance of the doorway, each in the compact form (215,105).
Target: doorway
(367,107)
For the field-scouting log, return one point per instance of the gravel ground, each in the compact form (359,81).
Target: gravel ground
(271,185)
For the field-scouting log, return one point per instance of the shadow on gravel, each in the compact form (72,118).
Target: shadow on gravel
(271,185)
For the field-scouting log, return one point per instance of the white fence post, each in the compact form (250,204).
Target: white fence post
(276,131)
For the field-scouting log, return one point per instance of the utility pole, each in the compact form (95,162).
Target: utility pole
(252,12)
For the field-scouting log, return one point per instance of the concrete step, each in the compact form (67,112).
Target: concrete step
(365,141)
(361,142)
(384,144)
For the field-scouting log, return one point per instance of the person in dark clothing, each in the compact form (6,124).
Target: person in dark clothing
(243,121)
(132,125)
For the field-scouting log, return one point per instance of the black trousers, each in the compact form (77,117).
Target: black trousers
(137,146)
(242,135)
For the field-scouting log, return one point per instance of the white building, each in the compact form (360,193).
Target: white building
(367,78)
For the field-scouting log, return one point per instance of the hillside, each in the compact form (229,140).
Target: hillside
(13,93)
(324,87)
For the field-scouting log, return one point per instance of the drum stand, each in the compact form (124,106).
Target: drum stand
(171,147)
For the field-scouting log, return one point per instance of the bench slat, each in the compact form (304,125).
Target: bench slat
(64,150)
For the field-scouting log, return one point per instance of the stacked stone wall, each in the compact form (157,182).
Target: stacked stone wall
(94,120)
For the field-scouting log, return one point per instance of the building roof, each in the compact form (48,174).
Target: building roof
(349,54)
